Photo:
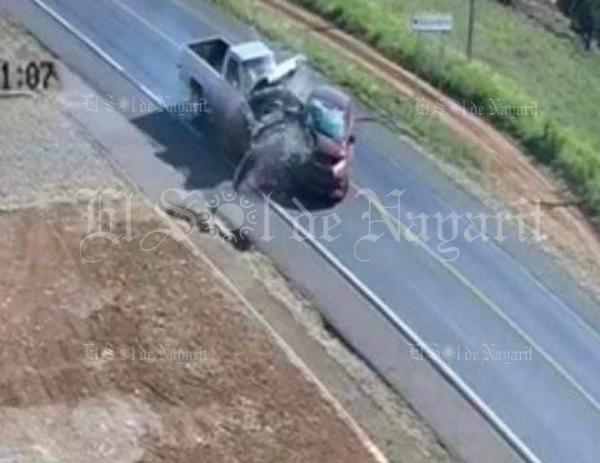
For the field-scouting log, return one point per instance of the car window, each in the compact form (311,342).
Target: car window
(326,119)
(233,73)
(258,68)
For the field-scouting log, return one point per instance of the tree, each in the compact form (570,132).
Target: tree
(585,17)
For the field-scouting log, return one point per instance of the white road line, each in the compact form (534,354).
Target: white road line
(487,301)
(149,25)
(67,25)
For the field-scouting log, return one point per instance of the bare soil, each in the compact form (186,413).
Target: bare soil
(143,356)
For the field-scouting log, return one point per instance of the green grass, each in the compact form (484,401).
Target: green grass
(396,110)
(518,63)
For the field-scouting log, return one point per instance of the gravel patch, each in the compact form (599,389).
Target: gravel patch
(45,155)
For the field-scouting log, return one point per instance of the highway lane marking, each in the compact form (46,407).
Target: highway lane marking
(95,48)
(412,336)
(67,25)
(483,298)
(566,309)
(146,23)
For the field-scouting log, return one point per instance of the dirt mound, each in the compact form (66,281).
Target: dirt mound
(142,355)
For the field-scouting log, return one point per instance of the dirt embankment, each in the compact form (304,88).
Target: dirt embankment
(143,356)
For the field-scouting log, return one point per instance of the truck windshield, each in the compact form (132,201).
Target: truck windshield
(326,119)
(258,68)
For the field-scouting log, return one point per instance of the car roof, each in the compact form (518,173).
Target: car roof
(251,50)
(331,95)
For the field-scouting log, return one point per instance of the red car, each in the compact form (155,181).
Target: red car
(329,115)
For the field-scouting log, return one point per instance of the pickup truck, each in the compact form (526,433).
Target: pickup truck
(223,77)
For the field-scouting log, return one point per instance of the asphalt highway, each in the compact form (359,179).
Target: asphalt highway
(501,315)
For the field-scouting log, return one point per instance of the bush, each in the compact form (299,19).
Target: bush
(585,17)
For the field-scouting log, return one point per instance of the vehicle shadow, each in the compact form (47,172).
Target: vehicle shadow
(186,150)
(194,154)
(299,201)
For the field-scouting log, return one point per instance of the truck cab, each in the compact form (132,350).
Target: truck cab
(222,77)
(247,64)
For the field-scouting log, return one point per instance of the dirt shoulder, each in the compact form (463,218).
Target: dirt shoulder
(152,347)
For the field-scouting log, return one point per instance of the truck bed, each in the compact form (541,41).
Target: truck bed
(212,51)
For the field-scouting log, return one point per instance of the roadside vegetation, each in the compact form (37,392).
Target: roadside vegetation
(397,111)
(517,64)
(585,18)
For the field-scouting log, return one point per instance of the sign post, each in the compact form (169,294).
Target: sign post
(436,24)
(470,30)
